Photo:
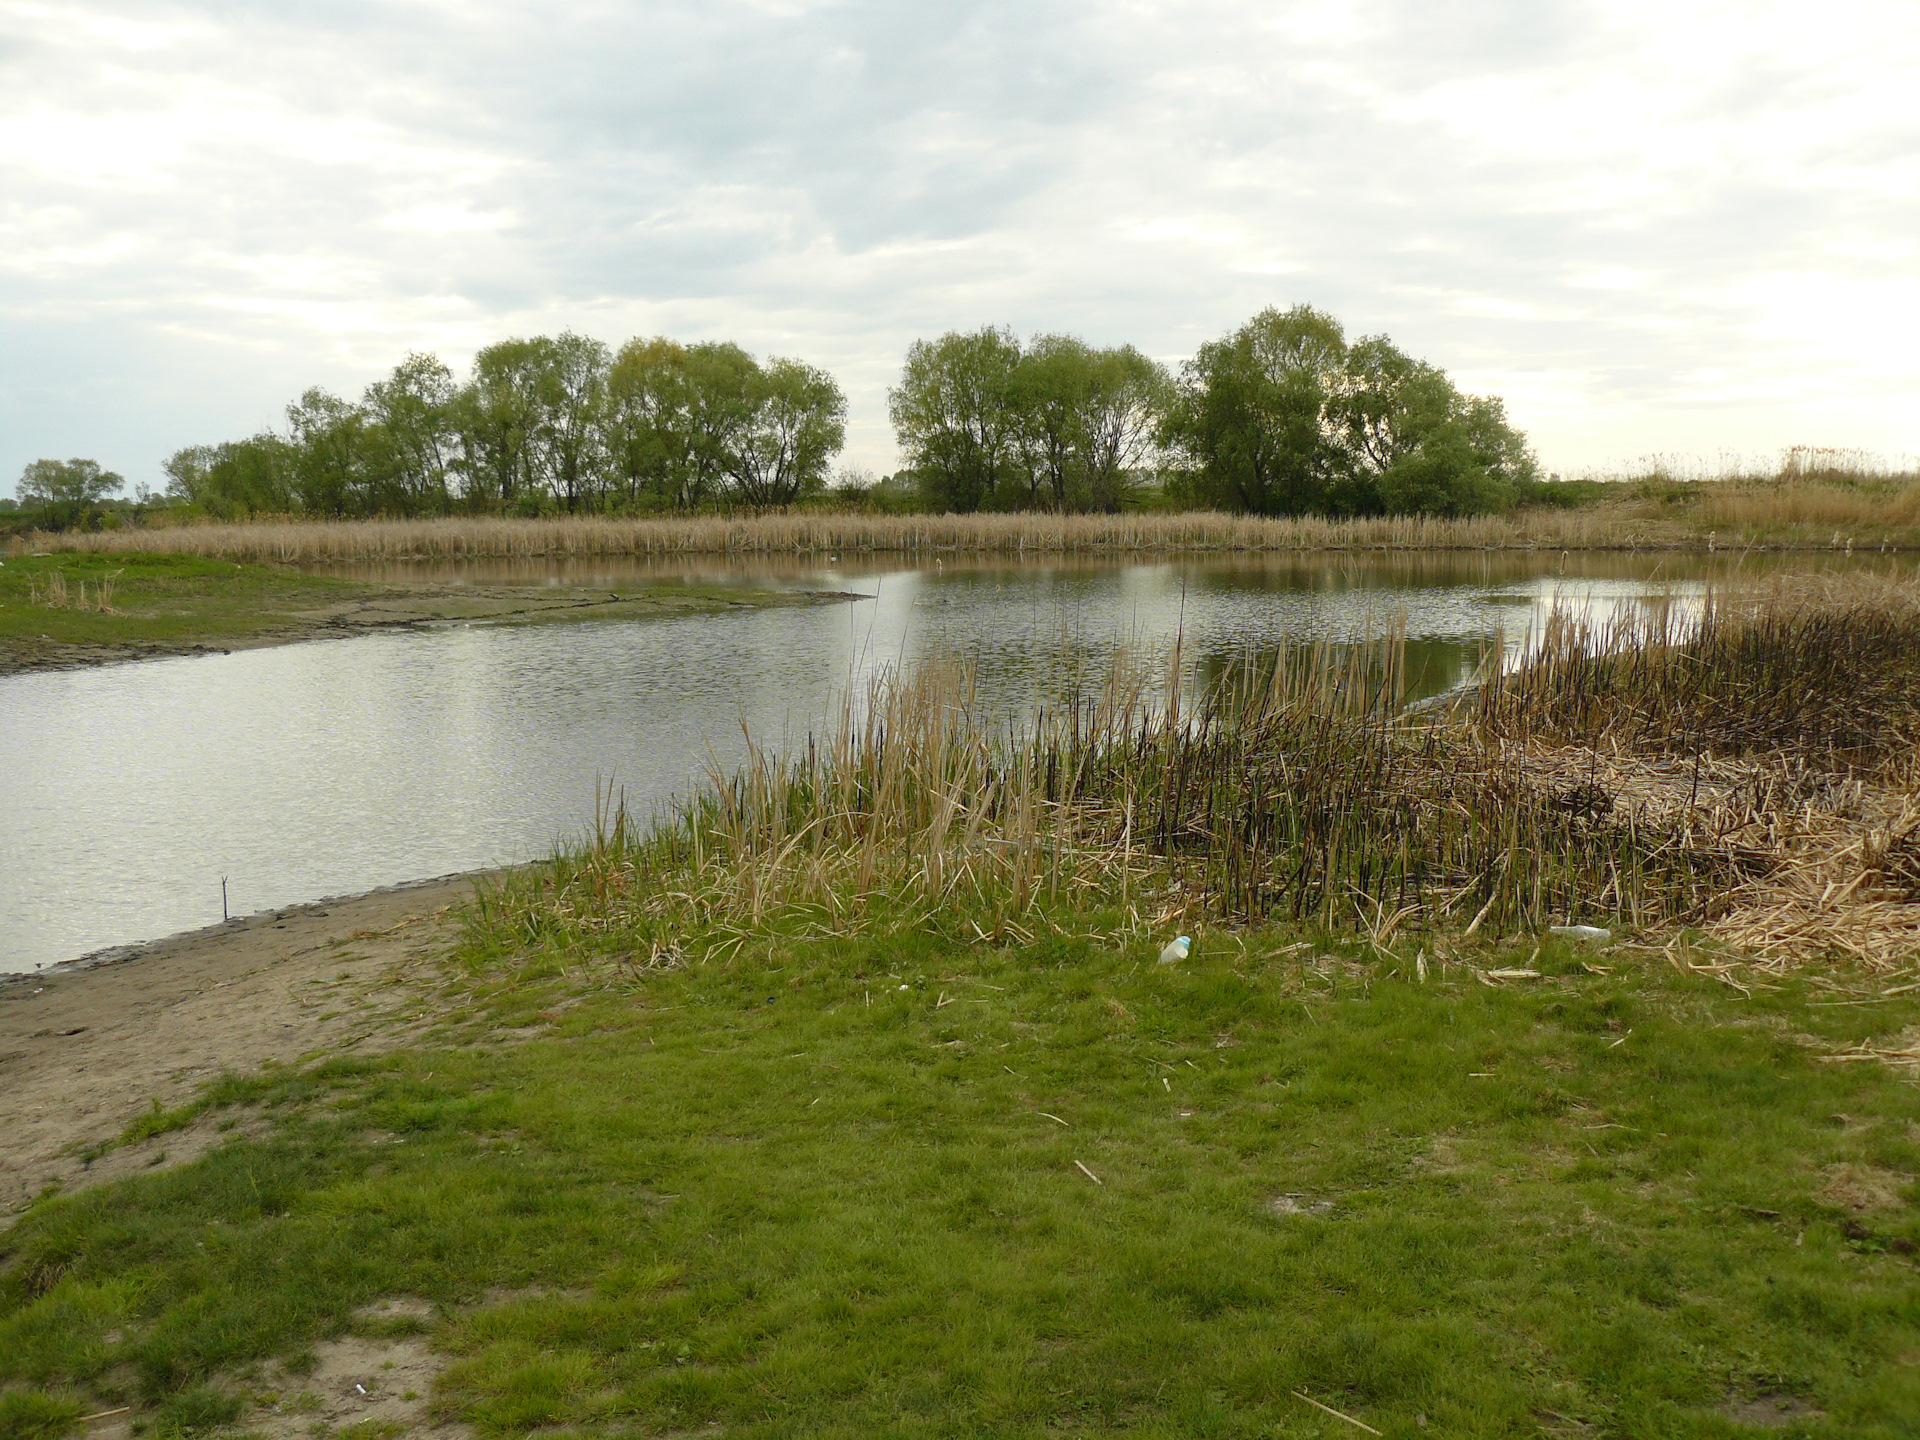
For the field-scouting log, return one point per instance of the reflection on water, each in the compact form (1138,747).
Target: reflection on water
(339,765)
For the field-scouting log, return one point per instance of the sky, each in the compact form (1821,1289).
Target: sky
(1688,228)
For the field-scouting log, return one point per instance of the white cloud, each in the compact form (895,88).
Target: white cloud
(1652,226)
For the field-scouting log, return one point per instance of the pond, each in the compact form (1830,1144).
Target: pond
(133,791)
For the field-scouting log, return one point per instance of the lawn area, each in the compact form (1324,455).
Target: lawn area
(904,1185)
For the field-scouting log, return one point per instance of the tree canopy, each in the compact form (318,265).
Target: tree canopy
(547,423)
(1284,417)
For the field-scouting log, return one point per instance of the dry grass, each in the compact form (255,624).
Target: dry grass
(1780,731)
(1812,506)
(320,542)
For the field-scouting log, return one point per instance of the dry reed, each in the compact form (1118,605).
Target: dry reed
(1290,790)
(1780,730)
(815,533)
(1749,773)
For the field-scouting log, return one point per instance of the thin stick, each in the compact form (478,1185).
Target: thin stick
(1055,1118)
(1335,1413)
(1098,1181)
(103,1414)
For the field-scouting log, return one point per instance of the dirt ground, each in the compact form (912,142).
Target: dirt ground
(83,1052)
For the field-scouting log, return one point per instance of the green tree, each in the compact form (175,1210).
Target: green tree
(236,478)
(569,399)
(798,422)
(1049,401)
(1252,417)
(493,418)
(1126,405)
(328,455)
(675,414)
(1416,445)
(955,416)
(67,492)
(412,437)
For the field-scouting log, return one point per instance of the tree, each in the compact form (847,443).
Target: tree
(675,414)
(1049,400)
(235,478)
(569,393)
(66,492)
(412,437)
(1252,417)
(493,418)
(1416,445)
(954,415)
(1126,406)
(798,424)
(327,457)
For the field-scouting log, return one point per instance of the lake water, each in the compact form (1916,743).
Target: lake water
(338,766)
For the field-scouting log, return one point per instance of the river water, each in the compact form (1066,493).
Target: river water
(132,791)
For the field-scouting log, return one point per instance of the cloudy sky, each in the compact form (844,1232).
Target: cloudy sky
(1686,227)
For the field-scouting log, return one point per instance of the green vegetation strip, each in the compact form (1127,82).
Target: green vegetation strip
(80,606)
(141,598)
(910,1186)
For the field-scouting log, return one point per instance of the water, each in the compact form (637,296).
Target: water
(337,766)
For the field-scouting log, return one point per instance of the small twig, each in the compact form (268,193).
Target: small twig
(1337,1414)
(103,1414)
(1098,1181)
(1043,1114)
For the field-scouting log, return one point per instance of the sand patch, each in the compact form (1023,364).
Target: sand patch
(85,1052)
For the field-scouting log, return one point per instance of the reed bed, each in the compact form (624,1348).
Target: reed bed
(1289,790)
(301,542)
(1779,728)
(1748,775)
(1812,506)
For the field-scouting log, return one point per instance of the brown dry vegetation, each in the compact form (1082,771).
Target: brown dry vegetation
(1815,511)
(1780,735)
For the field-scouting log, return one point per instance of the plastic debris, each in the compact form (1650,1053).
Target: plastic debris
(1585,934)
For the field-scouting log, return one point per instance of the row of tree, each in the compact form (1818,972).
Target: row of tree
(554,422)
(1284,416)
(1281,417)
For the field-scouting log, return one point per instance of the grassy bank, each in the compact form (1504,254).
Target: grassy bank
(75,607)
(1795,513)
(855,1101)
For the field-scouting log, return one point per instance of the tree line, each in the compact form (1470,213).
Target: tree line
(542,424)
(1283,416)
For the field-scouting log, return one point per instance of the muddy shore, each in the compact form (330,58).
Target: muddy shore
(86,1048)
(398,607)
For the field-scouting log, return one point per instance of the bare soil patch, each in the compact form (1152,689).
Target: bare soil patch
(85,1051)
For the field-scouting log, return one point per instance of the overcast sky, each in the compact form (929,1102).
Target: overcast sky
(1676,226)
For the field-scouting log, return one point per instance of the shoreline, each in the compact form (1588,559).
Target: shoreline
(91,1045)
(407,607)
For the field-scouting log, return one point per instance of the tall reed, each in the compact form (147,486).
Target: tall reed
(1291,788)
(816,533)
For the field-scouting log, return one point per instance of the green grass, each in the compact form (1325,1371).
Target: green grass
(162,603)
(159,598)
(779,1193)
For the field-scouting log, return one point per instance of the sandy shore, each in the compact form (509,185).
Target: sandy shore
(84,1050)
